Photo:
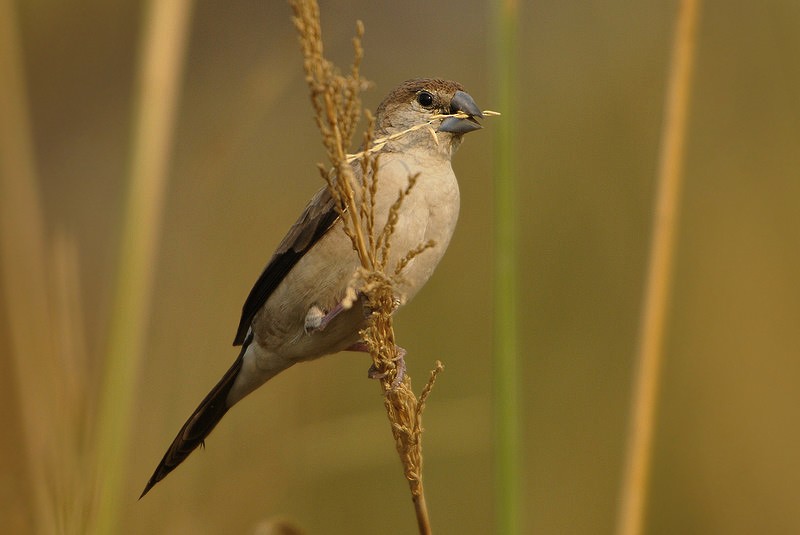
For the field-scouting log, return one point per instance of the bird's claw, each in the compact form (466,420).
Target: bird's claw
(313,320)
(317,319)
(373,373)
(400,367)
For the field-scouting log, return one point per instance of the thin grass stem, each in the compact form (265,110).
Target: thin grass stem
(23,247)
(337,106)
(161,60)
(506,396)
(655,308)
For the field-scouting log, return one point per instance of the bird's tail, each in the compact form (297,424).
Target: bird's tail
(202,421)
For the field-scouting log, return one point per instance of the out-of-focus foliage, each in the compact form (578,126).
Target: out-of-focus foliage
(313,445)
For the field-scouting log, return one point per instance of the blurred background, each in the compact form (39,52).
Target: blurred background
(314,446)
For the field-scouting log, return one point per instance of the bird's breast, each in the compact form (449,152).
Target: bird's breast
(428,215)
(321,278)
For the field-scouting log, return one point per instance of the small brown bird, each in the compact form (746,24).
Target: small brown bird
(294,312)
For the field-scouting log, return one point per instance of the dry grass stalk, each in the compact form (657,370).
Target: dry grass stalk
(379,143)
(162,52)
(40,283)
(633,498)
(337,106)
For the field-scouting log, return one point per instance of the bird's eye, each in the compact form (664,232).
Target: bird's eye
(425,99)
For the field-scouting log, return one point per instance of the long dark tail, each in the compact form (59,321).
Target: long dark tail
(202,421)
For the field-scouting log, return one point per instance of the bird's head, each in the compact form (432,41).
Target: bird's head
(416,102)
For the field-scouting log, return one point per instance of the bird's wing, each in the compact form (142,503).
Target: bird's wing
(317,219)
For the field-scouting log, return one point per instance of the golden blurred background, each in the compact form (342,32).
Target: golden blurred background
(313,446)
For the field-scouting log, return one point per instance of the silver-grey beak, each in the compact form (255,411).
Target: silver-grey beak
(462,102)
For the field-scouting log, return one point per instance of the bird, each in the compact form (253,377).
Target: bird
(295,312)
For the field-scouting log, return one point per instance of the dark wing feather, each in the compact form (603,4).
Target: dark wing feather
(318,217)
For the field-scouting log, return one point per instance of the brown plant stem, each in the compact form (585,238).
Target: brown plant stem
(633,499)
(337,107)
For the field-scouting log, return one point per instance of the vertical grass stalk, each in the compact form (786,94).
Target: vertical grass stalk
(23,248)
(655,306)
(337,106)
(161,61)
(506,362)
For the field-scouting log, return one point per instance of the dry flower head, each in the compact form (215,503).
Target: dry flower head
(337,105)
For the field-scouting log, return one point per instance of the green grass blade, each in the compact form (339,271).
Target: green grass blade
(506,365)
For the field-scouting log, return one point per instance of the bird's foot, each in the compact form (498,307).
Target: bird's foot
(373,372)
(400,366)
(317,319)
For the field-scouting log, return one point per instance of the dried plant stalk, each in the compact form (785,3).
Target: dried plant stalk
(337,107)
(162,52)
(39,279)
(649,355)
